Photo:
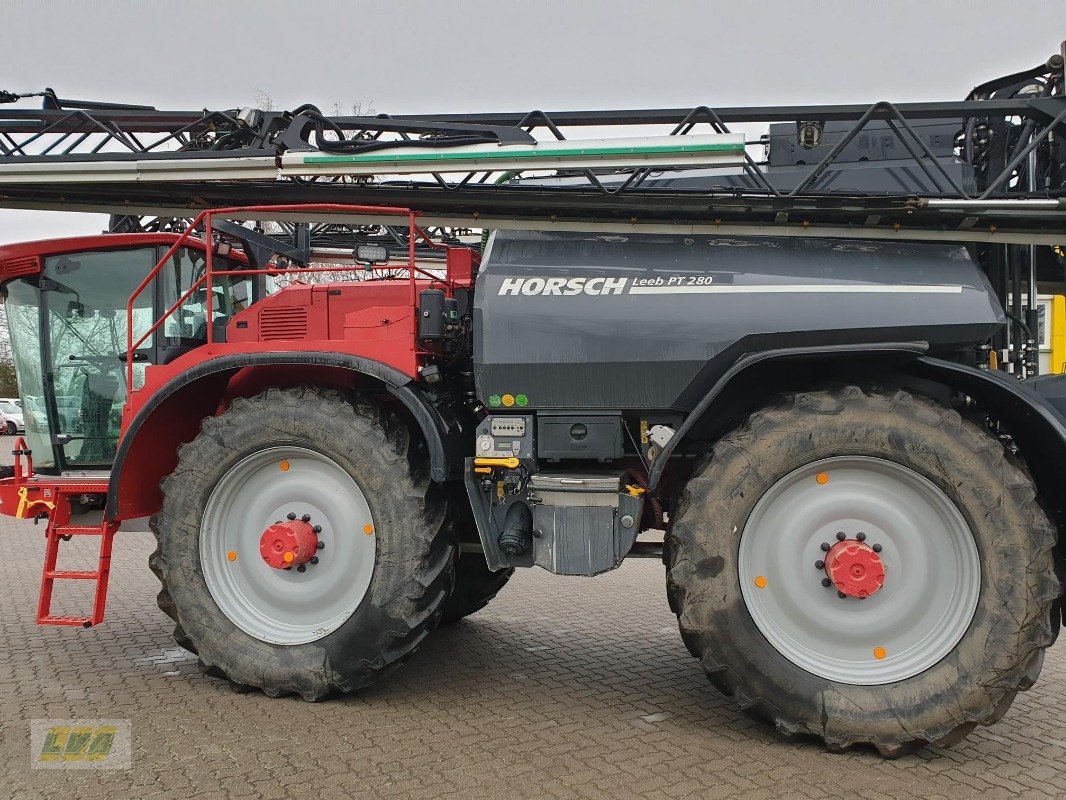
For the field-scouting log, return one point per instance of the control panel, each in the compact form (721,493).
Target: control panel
(505,436)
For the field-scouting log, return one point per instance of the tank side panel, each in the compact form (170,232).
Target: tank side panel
(582,321)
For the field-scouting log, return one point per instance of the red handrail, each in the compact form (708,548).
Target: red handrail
(22,449)
(141,287)
(166,315)
(221,273)
(207,217)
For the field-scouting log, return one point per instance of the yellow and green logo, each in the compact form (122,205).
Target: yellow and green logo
(80,743)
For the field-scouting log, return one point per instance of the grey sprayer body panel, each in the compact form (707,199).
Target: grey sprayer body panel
(581,321)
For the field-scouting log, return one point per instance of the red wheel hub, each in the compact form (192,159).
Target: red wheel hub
(855,568)
(288,544)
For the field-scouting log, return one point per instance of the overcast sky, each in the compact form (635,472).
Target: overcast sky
(491,55)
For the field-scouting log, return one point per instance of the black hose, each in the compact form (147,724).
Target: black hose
(355,145)
(1021,323)
(983,90)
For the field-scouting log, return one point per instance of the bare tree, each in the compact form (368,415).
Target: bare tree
(262,100)
(5,338)
(357,110)
(8,380)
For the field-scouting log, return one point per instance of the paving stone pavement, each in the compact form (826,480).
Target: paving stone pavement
(561,688)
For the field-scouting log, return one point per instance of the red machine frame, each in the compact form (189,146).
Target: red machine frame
(30,495)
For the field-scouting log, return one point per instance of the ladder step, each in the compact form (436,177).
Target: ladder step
(60,530)
(75,575)
(77,530)
(73,622)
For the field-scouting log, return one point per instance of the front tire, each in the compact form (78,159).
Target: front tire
(372,593)
(961,621)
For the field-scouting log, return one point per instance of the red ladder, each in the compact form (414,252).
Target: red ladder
(59,530)
(52,500)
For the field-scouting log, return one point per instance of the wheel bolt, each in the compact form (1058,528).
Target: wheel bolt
(860,536)
(826,582)
(314,559)
(290,516)
(819,564)
(317,529)
(841,536)
(302,568)
(321,545)
(877,548)
(841,595)
(825,547)
(306,517)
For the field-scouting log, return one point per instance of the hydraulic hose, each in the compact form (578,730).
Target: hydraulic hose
(347,145)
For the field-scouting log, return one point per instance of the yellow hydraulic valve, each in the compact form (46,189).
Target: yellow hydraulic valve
(509,463)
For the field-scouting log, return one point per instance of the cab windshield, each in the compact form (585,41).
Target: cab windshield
(69,333)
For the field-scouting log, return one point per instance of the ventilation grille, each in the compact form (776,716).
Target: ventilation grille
(283,323)
(14,267)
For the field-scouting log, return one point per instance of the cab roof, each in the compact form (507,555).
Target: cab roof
(100,241)
(24,258)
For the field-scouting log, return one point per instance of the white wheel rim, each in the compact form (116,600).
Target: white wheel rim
(288,607)
(932,570)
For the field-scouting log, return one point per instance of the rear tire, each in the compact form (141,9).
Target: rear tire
(11,429)
(999,638)
(351,443)
(475,586)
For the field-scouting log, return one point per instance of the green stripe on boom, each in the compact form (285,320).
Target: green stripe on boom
(723,147)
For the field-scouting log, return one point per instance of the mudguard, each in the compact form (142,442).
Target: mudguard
(134,493)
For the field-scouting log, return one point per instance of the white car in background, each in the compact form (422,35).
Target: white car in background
(11,417)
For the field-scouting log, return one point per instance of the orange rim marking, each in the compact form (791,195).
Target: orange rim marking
(368,529)
(284,466)
(879,653)
(822,478)
(232,555)
(760,581)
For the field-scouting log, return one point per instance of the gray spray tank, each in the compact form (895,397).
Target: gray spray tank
(582,321)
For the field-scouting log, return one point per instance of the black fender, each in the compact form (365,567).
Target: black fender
(443,434)
(1032,411)
(867,351)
